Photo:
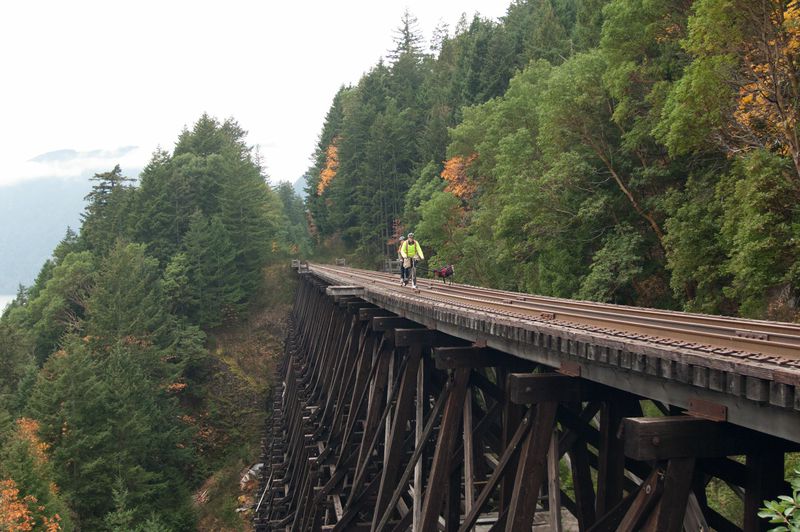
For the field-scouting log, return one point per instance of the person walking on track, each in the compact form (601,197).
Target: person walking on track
(400,258)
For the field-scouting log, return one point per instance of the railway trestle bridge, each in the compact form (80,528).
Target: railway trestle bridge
(457,408)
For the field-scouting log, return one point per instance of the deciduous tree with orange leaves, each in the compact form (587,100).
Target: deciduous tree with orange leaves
(331,166)
(19,513)
(742,89)
(15,515)
(458,181)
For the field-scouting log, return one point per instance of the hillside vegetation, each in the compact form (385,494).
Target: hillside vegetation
(641,152)
(135,367)
(633,151)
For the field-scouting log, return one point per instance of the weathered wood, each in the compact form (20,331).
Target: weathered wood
(348,414)
(396,435)
(668,514)
(497,474)
(610,475)
(609,521)
(473,357)
(554,484)
(437,488)
(531,468)
(527,388)
(414,462)
(424,337)
(382,324)
(583,485)
(660,438)
(366,314)
(469,454)
(645,499)
(419,408)
(764,482)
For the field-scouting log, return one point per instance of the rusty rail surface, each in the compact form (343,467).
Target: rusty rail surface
(408,410)
(681,329)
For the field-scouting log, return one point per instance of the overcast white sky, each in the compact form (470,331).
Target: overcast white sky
(103,75)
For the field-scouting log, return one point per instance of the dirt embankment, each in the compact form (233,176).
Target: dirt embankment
(242,363)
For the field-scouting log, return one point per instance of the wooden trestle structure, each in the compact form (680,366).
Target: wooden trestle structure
(380,423)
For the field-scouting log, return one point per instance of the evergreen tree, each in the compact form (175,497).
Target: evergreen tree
(107,214)
(126,301)
(212,270)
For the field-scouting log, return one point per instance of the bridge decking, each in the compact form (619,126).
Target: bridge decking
(759,390)
(452,408)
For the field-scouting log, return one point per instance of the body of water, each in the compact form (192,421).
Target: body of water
(5,300)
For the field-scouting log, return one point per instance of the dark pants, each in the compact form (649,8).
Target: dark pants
(403,273)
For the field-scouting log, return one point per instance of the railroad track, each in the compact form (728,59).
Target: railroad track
(762,341)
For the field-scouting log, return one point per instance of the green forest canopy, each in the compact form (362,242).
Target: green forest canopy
(636,151)
(104,368)
(633,151)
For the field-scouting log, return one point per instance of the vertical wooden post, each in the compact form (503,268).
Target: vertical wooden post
(512,416)
(764,479)
(469,454)
(396,433)
(611,469)
(669,512)
(554,484)
(438,481)
(531,469)
(420,421)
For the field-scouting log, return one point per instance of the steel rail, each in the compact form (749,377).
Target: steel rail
(790,331)
(546,303)
(731,336)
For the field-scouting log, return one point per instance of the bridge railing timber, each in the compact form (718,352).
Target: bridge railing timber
(417,410)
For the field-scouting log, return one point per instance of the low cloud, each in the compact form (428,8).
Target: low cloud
(71,155)
(71,164)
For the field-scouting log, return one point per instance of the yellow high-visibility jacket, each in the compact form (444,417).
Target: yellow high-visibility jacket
(411,251)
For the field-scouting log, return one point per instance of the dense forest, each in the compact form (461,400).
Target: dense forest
(109,414)
(640,152)
(632,151)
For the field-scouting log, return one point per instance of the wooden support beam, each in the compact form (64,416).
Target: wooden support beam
(531,468)
(425,337)
(366,314)
(554,484)
(609,521)
(474,357)
(511,418)
(497,474)
(645,499)
(354,307)
(671,508)
(764,482)
(528,388)
(469,454)
(414,464)
(419,410)
(384,323)
(344,290)
(396,435)
(437,489)
(611,467)
(660,438)
(582,484)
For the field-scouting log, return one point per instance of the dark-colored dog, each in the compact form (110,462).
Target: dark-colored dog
(444,272)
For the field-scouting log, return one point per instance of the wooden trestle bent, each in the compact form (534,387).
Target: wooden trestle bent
(379,423)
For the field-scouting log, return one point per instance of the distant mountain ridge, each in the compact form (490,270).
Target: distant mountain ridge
(68,155)
(34,216)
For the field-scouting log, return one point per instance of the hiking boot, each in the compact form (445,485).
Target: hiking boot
(414,286)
